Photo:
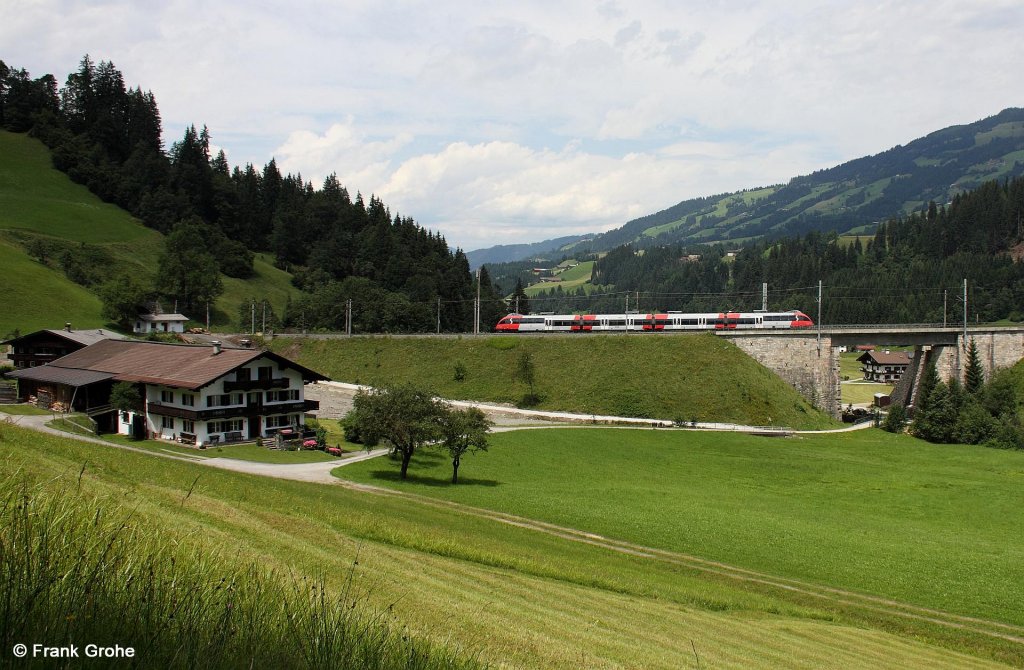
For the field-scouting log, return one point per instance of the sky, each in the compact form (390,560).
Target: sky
(512,122)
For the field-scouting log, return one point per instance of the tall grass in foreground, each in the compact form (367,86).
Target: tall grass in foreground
(75,570)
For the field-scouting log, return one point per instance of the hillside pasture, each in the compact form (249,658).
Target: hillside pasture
(507,595)
(38,203)
(36,197)
(675,377)
(36,297)
(931,525)
(570,280)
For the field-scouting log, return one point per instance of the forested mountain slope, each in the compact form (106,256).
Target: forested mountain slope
(910,270)
(218,219)
(861,192)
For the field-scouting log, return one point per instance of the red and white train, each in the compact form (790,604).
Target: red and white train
(547,323)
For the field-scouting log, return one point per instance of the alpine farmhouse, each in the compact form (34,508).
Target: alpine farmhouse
(193,394)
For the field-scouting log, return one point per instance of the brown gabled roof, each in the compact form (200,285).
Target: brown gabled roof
(177,365)
(883,358)
(54,374)
(83,337)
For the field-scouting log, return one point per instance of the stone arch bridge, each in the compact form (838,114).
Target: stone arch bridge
(809,359)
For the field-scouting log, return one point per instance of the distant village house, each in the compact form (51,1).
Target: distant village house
(160,323)
(883,366)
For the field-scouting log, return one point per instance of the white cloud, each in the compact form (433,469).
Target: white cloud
(520,121)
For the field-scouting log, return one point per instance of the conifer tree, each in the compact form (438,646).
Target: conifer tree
(974,373)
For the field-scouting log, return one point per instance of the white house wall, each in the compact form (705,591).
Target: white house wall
(176,425)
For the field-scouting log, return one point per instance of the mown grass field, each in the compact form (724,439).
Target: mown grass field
(935,525)
(672,377)
(508,595)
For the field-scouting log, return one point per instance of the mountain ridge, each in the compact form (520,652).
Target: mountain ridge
(856,194)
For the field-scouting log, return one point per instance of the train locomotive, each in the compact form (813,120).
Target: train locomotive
(667,321)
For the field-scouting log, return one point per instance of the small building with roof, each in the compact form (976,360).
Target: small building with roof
(46,346)
(194,394)
(160,323)
(884,366)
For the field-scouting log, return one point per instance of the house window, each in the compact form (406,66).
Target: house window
(224,426)
(243,375)
(279,421)
(188,400)
(265,372)
(283,396)
(188,426)
(167,422)
(167,396)
(225,399)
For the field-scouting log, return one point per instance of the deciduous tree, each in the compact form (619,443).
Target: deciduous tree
(463,431)
(404,416)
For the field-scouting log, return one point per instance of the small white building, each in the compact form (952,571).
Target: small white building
(160,323)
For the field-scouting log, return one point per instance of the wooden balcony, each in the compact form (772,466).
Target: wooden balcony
(232,411)
(256,384)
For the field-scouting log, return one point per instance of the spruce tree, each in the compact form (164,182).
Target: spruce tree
(929,380)
(519,301)
(974,373)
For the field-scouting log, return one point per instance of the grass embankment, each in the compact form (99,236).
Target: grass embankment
(82,569)
(934,525)
(507,594)
(682,377)
(38,202)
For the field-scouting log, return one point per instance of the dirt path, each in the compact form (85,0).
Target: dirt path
(318,473)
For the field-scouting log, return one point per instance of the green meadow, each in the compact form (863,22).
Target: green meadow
(933,525)
(458,580)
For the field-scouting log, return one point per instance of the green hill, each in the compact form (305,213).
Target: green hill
(862,191)
(44,214)
(678,377)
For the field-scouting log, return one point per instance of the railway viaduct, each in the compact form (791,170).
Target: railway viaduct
(809,360)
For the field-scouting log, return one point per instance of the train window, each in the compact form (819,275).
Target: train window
(663,322)
(617,322)
(687,322)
